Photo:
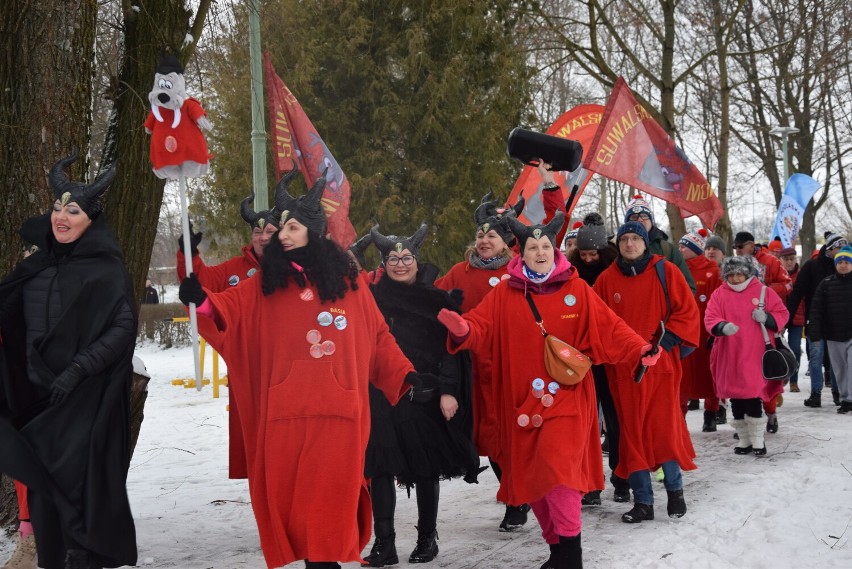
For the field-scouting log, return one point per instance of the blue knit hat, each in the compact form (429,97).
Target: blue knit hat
(845,254)
(638,205)
(633,227)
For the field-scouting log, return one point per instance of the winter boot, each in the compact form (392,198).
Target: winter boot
(593,498)
(383,552)
(639,513)
(709,422)
(516,516)
(845,407)
(756,430)
(743,436)
(815,400)
(551,561)
(794,388)
(426,549)
(569,554)
(676,507)
(836,396)
(622,489)
(24,556)
(721,415)
(771,423)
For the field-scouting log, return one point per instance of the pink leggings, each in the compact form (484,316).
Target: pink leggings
(558,513)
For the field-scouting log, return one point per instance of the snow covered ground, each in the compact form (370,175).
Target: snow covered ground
(790,509)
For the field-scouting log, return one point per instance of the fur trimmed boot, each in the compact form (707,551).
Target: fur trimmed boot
(757,430)
(743,437)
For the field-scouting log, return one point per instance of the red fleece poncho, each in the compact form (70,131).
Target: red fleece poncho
(697,382)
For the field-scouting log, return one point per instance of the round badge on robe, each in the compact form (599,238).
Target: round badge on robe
(553,387)
(313,336)
(755,301)
(325,319)
(570,299)
(702,298)
(340,322)
(537,421)
(316,351)
(494,281)
(616,297)
(328,347)
(523,420)
(306,295)
(251,272)
(233,280)
(547,400)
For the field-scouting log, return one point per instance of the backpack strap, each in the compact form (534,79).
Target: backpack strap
(661,274)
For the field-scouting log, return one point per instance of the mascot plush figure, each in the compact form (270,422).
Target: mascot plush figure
(177,145)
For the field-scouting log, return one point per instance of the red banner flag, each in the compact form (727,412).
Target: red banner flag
(294,138)
(580,124)
(631,147)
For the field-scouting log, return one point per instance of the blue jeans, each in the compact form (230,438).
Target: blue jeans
(794,338)
(640,482)
(816,352)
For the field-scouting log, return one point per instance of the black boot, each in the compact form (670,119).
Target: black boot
(709,422)
(693,405)
(79,559)
(570,553)
(836,396)
(639,513)
(593,498)
(622,489)
(550,563)
(426,549)
(845,407)
(676,507)
(427,519)
(516,516)
(383,552)
(815,400)
(721,415)
(383,495)
(321,564)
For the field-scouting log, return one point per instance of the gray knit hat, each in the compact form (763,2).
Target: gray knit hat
(717,242)
(745,265)
(592,235)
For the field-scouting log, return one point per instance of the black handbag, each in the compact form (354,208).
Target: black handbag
(779,363)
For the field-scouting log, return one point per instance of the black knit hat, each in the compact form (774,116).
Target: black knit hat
(487,217)
(169,64)
(389,243)
(743,237)
(88,197)
(524,232)
(592,235)
(307,209)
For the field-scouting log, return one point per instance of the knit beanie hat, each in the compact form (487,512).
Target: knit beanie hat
(88,197)
(388,243)
(832,240)
(592,235)
(775,245)
(743,265)
(633,227)
(638,205)
(307,209)
(524,232)
(695,241)
(743,237)
(717,242)
(574,229)
(845,254)
(487,217)
(786,252)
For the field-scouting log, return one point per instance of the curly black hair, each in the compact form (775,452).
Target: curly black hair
(324,264)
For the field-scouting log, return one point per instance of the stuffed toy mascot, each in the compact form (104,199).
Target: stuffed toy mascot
(177,145)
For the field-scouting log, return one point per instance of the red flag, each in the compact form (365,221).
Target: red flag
(295,138)
(631,147)
(580,124)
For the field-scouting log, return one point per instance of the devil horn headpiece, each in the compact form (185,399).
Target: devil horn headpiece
(389,243)
(88,197)
(308,208)
(523,232)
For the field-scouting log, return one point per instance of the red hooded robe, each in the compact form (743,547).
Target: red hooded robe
(697,382)
(653,429)
(306,419)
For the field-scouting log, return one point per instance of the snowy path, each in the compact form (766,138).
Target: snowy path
(790,509)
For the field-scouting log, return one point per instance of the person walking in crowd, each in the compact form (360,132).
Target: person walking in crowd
(796,324)
(734,316)
(831,321)
(304,410)
(151,296)
(569,244)
(484,267)
(645,290)
(541,465)
(715,249)
(426,437)
(775,247)
(68,333)
(640,210)
(813,271)
(697,381)
(593,255)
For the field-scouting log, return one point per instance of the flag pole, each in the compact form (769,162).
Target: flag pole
(193,318)
(258,129)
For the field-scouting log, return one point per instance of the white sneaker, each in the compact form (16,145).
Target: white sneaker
(24,556)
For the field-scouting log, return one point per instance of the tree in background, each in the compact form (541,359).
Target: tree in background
(415,99)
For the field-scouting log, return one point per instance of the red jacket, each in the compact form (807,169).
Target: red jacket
(476,283)
(653,429)
(772,273)
(536,460)
(219,277)
(697,382)
(306,419)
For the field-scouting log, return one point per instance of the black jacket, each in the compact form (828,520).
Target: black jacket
(831,310)
(813,271)
(73,455)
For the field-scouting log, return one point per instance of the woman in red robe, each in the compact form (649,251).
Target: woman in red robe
(541,466)
(318,339)
(653,430)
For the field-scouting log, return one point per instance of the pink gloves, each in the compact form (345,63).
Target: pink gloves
(649,359)
(455,323)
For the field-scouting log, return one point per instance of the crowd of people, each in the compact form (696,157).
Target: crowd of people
(348,381)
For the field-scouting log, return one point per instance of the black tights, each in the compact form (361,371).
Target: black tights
(383,495)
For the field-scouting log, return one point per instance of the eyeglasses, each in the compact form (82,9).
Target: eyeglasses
(394,260)
(639,217)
